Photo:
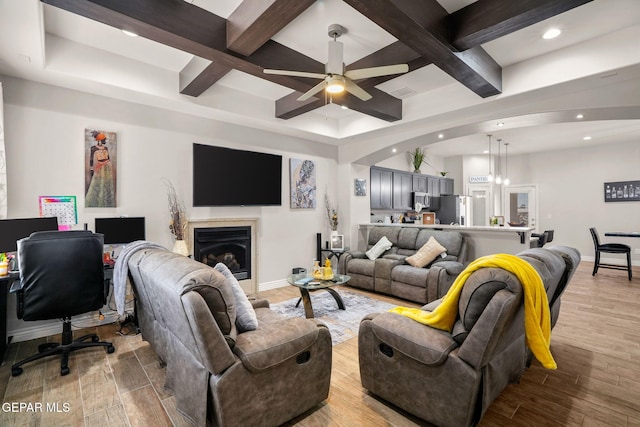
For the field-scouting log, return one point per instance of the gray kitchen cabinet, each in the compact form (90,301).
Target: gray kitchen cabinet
(446,186)
(380,188)
(402,187)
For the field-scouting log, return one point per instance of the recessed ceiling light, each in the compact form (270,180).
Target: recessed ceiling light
(394,150)
(485,152)
(551,33)
(440,136)
(130,33)
(580,116)
(344,107)
(586,138)
(500,124)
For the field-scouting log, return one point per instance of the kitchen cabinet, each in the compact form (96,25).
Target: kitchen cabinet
(446,186)
(433,186)
(420,183)
(402,186)
(381,187)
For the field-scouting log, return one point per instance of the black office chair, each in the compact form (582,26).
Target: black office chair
(61,275)
(611,248)
(543,238)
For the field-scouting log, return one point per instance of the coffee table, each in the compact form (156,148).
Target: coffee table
(299,280)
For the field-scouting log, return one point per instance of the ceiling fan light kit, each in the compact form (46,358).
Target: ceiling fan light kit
(336,79)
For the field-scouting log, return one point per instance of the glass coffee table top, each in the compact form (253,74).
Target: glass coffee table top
(308,284)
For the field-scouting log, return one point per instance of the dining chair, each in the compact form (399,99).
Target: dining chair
(611,248)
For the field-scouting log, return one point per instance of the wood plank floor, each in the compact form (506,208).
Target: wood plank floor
(596,344)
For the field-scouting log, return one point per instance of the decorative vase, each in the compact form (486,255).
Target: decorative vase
(180,247)
(417,171)
(334,232)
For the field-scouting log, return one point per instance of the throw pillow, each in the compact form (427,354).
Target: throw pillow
(427,253)
(246,319)
(379,248)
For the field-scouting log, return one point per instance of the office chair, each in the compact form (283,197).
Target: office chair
(611,248)
(61,275)
(543,238)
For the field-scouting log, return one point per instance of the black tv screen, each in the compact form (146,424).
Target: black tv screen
(12,230)
(228,177)
(120,230)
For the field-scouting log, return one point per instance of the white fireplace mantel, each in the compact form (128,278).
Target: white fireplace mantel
(250,286)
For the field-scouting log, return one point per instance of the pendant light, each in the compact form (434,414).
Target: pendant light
(507,181)
(490,175)
(499,165)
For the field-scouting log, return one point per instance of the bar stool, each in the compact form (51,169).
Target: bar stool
(611,248)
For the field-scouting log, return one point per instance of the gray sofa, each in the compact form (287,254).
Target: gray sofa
(390,274)
(450,379)
(219,375)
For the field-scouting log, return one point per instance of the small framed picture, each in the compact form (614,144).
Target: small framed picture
(337,242)
(360,187)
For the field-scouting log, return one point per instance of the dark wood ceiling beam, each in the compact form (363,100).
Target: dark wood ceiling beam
(253,23)
(195,84)
(382,106)
(423,27)
(191,29)
(487,20)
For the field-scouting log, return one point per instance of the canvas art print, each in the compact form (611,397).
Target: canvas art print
(100,168)
(303,184)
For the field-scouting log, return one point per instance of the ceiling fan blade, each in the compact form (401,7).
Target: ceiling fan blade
(385,70)
(317,88)
(294,73)
(356,90)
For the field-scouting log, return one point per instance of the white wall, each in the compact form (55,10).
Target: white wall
(44,131)
(571,192)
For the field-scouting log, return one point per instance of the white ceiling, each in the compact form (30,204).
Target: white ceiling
(599,39)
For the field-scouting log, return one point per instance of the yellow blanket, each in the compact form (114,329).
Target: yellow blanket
(537,320)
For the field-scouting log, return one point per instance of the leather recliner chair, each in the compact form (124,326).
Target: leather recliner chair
(450,379)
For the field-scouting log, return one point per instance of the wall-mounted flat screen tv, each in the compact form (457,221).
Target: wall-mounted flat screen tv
(228,177)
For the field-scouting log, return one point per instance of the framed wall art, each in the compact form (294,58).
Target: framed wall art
(622,191)
(302,180)
(360,187)
(100,168)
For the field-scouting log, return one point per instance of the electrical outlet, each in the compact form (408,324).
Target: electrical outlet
(637,251)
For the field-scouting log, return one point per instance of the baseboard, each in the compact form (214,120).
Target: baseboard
(619,261)
(267,286)
(87,320)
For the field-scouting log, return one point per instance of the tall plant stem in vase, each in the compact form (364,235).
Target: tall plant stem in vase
(177,220)
(332,214)
(418,157)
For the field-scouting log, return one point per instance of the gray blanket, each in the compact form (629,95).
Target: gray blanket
(121,270)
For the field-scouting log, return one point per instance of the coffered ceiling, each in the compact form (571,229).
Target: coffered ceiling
(473,64)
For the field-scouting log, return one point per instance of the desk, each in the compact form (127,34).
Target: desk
(5,283)
(622,234)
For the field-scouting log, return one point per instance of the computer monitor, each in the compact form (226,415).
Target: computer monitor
(12,230)
(121,230)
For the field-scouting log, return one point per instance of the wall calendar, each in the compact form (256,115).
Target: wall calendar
(62,207)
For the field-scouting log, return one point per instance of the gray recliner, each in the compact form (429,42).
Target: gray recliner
(450,379)
(219,375)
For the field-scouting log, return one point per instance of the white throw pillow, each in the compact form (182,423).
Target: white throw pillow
(246,319)
(427,253)
(379,248)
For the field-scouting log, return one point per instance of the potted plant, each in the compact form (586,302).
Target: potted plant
(443,173)
(418,157)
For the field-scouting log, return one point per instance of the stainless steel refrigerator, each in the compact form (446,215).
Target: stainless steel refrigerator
(454,210)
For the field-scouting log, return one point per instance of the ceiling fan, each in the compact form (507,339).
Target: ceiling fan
(336,79)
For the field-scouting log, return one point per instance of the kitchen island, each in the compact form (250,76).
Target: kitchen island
(481,240)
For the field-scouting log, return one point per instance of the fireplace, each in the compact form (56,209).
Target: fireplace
(229,245)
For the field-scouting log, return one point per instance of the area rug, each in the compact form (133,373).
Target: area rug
(343,324)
